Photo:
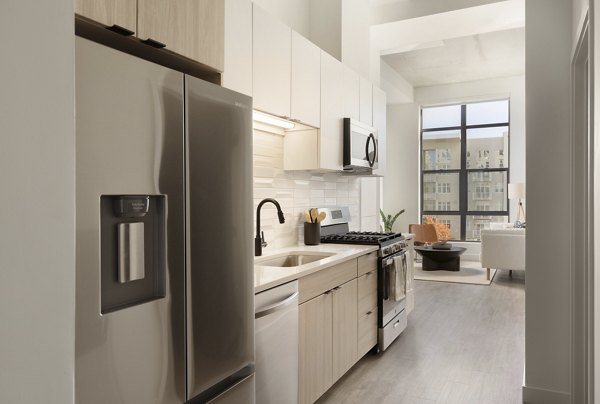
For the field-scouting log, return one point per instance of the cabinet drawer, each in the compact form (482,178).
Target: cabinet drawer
(367,332)
(315,284)
(367,292)
(366,263)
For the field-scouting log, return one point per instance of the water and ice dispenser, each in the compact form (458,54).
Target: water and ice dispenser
(133,244)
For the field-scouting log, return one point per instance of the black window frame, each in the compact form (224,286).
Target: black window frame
(463,171)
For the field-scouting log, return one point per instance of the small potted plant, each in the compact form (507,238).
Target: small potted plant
(388,220)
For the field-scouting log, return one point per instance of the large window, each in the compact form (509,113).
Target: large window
(465,166)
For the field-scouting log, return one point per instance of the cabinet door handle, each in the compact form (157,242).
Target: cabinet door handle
(337,288)
(369,312)
(120,30)
(154,43)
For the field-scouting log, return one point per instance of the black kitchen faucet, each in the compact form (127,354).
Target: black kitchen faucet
(259,240)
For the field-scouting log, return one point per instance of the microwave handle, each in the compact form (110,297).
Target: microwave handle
(371,137)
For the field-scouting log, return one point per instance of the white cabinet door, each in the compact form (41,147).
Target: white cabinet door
(237,71)
(306,81)
(379,123)
(332,112)
(351,94)
(271,63)
(366,102)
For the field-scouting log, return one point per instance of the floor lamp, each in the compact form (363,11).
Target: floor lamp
(517,191)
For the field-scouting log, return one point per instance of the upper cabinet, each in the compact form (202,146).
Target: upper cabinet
(331,139)
(366,102)
(109,12)
(237,69)
(271,63)
(306,81)
(320,149)
(351,93)
(379,123)
(190,28)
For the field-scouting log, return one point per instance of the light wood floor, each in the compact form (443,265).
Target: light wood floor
(463,344)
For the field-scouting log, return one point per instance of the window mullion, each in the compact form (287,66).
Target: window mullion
(463,196)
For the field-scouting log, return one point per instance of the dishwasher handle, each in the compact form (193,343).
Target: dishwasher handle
(276,306)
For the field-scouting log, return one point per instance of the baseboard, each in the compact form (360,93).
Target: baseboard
(470,257)
(534,395)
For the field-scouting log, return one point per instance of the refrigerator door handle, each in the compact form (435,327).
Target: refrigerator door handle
(276,306)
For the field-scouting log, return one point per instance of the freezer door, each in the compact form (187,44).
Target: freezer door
(129,141)
(220,271)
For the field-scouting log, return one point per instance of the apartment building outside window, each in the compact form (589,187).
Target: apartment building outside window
(465,165)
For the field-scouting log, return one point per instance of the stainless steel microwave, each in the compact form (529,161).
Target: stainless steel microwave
(360,146)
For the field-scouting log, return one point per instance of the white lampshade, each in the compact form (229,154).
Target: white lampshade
(516,190)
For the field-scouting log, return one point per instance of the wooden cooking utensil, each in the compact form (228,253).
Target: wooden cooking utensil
(321,217)
(314,214)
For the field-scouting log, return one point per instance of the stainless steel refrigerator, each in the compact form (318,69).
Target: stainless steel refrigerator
(165,309)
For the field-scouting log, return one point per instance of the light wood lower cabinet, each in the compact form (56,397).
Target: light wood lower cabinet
(338,323)
(367,312)
(316,343)
(328,339)
(345,333)
(109,12)
(367,263)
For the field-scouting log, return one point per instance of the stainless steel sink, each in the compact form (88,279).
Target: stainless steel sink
(292,259)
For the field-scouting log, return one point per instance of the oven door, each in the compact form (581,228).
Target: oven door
(392,286)
(360,145)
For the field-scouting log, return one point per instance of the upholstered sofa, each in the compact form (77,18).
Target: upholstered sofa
(503,249)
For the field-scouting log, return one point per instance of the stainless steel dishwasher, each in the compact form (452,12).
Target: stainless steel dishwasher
(276,324)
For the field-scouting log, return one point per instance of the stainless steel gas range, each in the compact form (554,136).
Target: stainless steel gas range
(392,268)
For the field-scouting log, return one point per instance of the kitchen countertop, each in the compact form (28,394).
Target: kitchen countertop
(266,277)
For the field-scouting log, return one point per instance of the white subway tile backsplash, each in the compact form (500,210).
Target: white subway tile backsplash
(342,186)
(302,193)
(296,191)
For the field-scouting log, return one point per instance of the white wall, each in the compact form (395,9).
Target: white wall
(37,178)
(293,13)
(595,19)
(340,27)
(402,178)
(326,26)
(356,36)
(403,10)
(547,301)
(397,89)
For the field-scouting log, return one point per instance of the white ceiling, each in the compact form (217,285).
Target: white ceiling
(473,43)
(474,57)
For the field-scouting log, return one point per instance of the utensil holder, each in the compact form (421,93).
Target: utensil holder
(312,233)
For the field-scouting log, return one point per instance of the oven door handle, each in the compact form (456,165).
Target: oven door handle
(390,260)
